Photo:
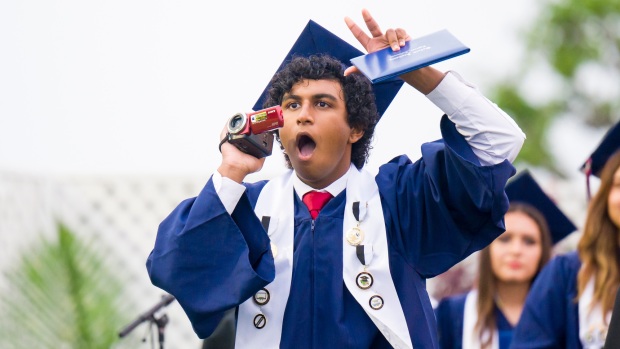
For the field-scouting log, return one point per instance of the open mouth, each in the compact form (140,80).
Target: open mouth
(305,145)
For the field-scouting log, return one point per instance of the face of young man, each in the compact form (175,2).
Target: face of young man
(516,253)
(316,136)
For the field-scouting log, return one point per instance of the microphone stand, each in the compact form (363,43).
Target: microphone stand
(149,315)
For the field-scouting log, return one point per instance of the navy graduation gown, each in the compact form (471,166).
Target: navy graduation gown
(437,211)
(550,318)
(450,314)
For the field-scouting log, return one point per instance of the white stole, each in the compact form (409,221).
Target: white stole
(471,340)
(592,326)
(275,201)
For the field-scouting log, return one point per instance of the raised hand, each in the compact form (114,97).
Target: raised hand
(394,38)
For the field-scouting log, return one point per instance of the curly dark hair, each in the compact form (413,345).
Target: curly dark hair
(358,94)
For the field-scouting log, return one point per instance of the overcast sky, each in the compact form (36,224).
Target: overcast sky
(141,87)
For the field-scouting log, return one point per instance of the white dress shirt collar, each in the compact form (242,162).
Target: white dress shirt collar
(335,188)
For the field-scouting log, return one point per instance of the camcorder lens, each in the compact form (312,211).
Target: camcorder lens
(236,123)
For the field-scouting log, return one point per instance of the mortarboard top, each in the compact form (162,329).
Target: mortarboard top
(523,188)
(608,146)
(315,39)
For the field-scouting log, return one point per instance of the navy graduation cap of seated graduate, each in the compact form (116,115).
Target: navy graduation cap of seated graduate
(352,276)
(608,146)
(523,189)
(571,302)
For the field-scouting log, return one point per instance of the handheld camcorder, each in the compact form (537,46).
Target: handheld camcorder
(252,133)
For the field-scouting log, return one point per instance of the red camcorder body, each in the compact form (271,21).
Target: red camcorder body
(250,132)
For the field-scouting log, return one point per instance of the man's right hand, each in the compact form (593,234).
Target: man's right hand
(235,163)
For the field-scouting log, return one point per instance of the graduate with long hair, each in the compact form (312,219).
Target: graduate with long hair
(486,316)
(572,299)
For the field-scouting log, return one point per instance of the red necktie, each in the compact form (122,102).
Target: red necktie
(315,200)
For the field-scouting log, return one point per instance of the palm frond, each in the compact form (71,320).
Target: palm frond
(61,294)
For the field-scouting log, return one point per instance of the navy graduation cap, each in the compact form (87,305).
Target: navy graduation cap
(314,40)
(523,188)
(595,163)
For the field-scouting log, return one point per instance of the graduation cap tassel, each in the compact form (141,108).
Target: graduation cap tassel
(588,171)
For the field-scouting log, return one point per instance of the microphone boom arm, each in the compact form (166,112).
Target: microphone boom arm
(148,315)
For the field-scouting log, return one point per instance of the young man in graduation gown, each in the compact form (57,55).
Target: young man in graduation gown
(352,276)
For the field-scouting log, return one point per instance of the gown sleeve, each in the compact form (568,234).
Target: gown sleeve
(446,205)
(211,261)
(549,318)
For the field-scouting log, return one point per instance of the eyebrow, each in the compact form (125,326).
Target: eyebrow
(314,97)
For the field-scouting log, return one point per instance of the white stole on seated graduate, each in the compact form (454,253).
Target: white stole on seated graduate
(275,201)
(592,325)
(471,339)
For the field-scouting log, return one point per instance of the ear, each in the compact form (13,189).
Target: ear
(355,135)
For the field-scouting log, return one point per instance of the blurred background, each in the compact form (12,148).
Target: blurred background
(110,114)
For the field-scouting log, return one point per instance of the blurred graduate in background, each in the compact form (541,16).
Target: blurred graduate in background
(485,317)
(572,299)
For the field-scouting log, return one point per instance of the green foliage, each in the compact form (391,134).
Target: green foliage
(578,40)
(61,295)
(571,32)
